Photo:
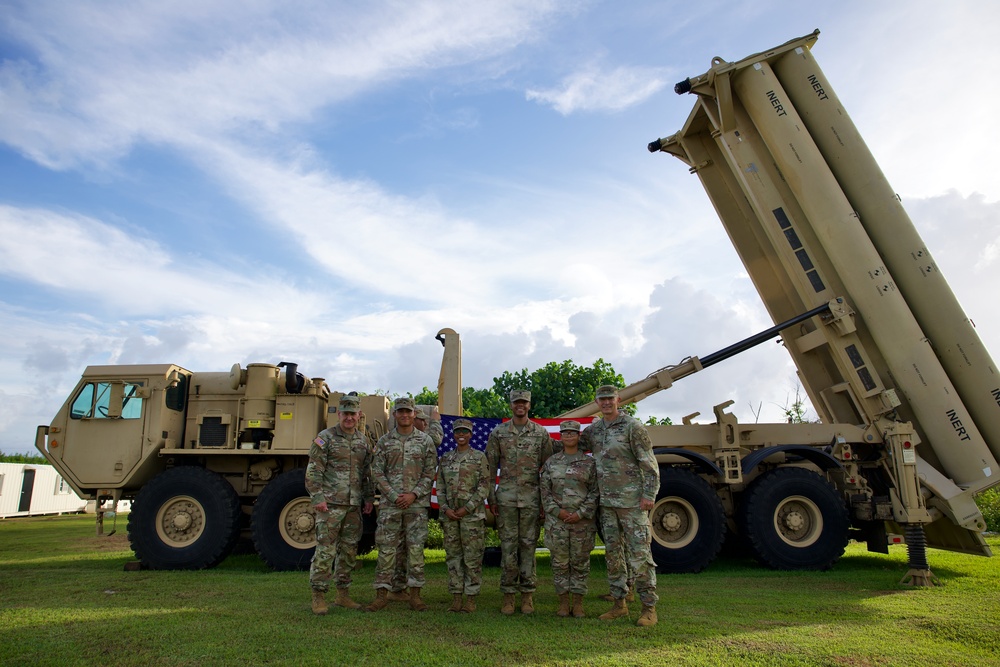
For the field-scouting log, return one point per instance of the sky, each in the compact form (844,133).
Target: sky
(331,183)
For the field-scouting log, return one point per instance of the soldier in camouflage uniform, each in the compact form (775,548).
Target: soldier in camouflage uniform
(403,470)
(518,447)
(464,480)
(569,497)
(338,480)
(432,427)
(629,478)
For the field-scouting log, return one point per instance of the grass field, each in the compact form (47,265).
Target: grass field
(65,599)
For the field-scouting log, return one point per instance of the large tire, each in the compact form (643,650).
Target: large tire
(687,523)
(185,518)
(793,519)
(283,523)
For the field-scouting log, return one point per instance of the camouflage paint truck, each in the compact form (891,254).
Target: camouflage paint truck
(207,457)
(908,396)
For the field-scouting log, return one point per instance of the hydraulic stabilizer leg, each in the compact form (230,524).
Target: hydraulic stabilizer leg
(919,573)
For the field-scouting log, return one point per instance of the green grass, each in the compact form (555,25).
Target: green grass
(65,599)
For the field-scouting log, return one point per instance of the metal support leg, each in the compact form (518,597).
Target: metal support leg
(919,573)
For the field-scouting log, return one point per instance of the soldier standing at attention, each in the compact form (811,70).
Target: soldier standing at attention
(518,448)
(629,478)
(403,470)
(338,480)
(569,498)
(432,427)
(464,480)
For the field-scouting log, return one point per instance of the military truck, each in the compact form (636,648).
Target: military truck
(207,457)
(908,396)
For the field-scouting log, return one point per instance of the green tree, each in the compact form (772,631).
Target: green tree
(33,459)
(657,421)
(558,387)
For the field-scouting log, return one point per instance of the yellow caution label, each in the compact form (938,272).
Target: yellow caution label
(253,423)
(286,415)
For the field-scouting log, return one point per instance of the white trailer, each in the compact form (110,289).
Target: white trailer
(28,489)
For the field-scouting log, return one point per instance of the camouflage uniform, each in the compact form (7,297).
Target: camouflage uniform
(519,453)
(339,472)
(569,482)
(464,480)
(436,432)
(403,464)
(627,472)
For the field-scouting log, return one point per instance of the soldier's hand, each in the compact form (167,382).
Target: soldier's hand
(404,500)
(464,513)
(368,508)
(321,507)
(435,414)
(563,515)
(573,518)
(451,515)
(646,505)
(495,509)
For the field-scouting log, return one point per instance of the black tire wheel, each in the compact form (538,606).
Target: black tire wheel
(185,518)
(369,523)
(687,522)
(283,522)
(793,519)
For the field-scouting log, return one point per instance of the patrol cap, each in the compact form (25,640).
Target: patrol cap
(461,423)
(606,391)
(520,395)
(403,403)
(569,425)
(420,414)
(349,403)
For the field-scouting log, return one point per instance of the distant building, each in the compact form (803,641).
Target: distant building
(30,489)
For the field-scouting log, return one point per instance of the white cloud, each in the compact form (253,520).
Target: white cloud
(596,89)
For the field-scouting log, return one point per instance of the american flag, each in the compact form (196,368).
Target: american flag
(481,428)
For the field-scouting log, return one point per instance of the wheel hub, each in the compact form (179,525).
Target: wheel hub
(297,523)
(180,521)
(798,521)
(671,521)
(794,521)
(674,522)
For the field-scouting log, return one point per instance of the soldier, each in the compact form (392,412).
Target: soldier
(338,480)
(569,497)
(403,471)
(432,427)
(629,478)
(518,447)
(464,480)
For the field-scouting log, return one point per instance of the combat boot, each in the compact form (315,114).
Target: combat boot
(508,604)
(630,593)
(398,596)
(527,603)
(578,606)
(380,602)
(620,609)
(456,602)
(607,597)
(470,604)
(319,603)
(563,605)
(416,604)
(647,617)
(344,600)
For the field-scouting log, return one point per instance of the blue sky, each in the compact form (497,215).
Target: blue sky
(331,183)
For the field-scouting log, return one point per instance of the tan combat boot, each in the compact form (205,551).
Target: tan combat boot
(563,605)
(648,617)
(470,604)
(456,602)
(319,603)
(380,602)
(508,604)
(527,603)
(578,606)
(416,604)
(344,600)
(620,609)
(398,596)
(607,597)
(630,595)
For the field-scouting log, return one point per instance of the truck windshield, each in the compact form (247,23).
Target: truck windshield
(93,400)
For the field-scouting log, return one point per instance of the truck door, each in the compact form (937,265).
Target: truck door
(105,431)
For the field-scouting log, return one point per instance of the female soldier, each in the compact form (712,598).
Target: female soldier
(463,482)
(569,498)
